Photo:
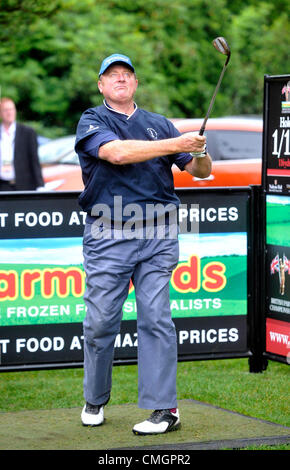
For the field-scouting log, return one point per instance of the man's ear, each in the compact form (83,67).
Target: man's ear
(100,86)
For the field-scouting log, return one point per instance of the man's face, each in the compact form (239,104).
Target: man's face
(118,84)
(8,112)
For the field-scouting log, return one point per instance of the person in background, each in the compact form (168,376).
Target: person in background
(19,163)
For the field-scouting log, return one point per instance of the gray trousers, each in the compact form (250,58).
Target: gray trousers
(109,265)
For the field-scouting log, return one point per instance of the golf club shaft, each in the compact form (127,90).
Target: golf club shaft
(202,129)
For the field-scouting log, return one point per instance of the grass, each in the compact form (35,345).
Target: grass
(223,383)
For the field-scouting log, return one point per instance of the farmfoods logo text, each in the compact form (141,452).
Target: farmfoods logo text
(64,282)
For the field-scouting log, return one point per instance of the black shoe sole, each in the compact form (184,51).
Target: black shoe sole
(92,425)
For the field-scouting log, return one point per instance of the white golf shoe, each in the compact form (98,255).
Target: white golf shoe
(160,421)
(92,415)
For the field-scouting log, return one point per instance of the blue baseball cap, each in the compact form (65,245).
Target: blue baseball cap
(112,59)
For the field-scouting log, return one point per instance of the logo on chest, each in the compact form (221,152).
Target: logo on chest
(152,132)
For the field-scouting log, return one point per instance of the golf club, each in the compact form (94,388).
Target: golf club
(222,46)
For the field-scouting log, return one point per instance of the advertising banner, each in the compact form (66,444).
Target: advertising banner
(276,200)
(278,275)
(42,280)
(276,172)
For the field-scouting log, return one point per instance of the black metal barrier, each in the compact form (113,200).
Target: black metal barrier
(214,291)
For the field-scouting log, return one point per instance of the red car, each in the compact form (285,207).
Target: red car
(235,145)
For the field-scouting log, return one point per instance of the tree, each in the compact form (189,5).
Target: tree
(51,66)
(260,47)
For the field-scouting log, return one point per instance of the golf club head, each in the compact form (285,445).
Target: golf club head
(222,46)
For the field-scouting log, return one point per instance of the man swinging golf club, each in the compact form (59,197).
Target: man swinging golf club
(126,154)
